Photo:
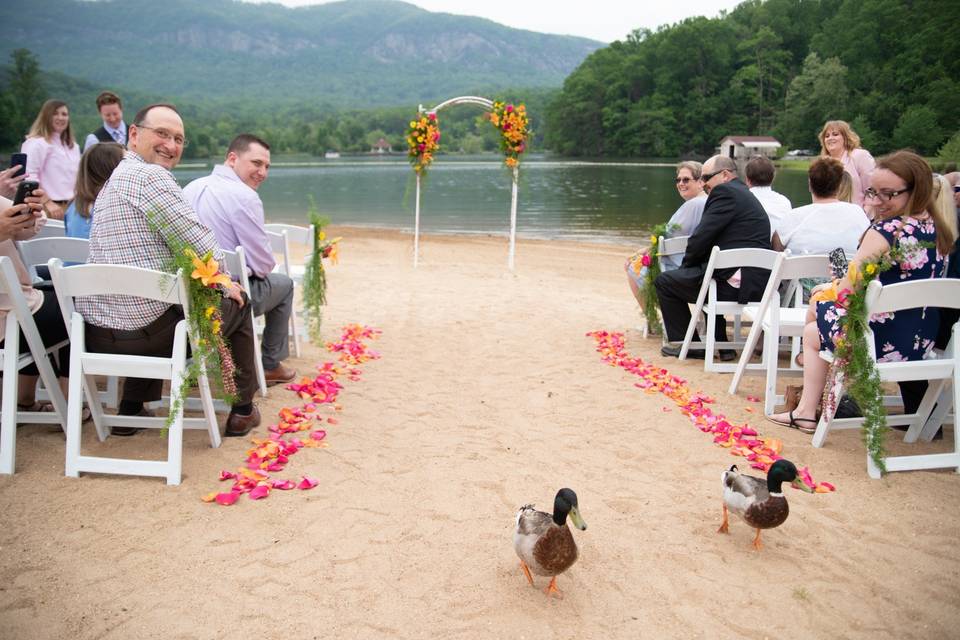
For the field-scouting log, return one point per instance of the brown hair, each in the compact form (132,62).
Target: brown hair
(108,97)
(96,165)
(760,171)
(825,176)
(918,176)
(243,141)
(851,140)
(694,167)
(845,190)
(42,126)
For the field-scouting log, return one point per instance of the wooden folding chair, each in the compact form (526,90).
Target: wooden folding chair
(711,307)
(102,279)
(942,371)
(236,264)
(777,322)
(20,319)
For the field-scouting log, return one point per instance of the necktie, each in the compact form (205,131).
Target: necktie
(117,136)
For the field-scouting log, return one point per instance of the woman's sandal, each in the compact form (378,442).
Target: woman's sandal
(47,407)
(795,423)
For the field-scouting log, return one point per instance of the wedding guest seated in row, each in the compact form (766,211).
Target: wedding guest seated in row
(53,156)
(96,165)
(733,218)
(827,223)
(114,129)
(759,174)
(227,202)
(906,214)
(682,223)
(138,209)
(22,222)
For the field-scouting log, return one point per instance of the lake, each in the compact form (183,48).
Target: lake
(597,201)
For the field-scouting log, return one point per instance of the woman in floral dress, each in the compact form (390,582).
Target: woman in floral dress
(905,215)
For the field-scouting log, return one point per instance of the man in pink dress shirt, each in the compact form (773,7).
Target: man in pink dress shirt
(227,202)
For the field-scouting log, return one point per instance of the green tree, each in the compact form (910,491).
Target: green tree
(950,151)
(918,129)
(817,94)
(24,96)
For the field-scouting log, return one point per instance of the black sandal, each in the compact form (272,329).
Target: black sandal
(795,423)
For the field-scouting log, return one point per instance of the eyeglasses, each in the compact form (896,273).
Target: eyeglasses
(683,180)
(883,196)
(956,189)
(166,136)
(707,177)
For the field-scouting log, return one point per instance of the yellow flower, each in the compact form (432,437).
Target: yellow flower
(334,254)
(323,236)
(654,239)
(870,269)
(511,162)
(853,273)
(208,272)
(209,311)
(413,125)
(215,325)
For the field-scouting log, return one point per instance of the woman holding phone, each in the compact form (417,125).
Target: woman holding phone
(53,156)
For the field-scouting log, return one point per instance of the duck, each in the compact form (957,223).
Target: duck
(543,541)
(759,502)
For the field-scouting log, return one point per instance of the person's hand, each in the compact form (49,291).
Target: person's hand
(9,181)
(235,293)
(38,200)
(16,220)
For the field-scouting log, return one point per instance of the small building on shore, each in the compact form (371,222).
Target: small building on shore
(742,148)
(381,146)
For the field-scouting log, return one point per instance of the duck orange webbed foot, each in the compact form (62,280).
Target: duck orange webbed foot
(552,590)
(756,542)
(725,527)
(526,571)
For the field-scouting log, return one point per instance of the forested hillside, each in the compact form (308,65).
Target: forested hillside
(782,67)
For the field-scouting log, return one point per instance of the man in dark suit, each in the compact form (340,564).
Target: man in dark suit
(733,218)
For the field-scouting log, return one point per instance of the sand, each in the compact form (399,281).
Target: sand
(488,396)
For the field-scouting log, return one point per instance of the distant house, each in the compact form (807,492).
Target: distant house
(381,146)
(742,148)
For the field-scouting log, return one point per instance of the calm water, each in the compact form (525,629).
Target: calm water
(612,202)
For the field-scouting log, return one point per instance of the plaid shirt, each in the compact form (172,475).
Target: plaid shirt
(121,234)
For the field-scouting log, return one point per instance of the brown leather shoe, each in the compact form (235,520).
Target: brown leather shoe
(280,375)
(238,425)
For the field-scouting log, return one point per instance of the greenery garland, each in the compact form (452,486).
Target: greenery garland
(646,264)
(315,276)
(852,353)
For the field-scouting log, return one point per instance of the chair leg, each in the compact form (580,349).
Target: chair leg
(75,410)
(709,340)
(8,413)
(175,432)
(293,325)
(93,401)
(258,360)
(209,413)
(922,415)
(939,415)
(771,355)
(826,417)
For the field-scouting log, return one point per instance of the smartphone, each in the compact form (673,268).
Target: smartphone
(25,189)
(19,159)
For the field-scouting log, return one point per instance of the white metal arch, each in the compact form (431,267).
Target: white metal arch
(488,105)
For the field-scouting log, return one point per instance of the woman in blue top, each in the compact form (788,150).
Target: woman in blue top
(96,165)
(905,215)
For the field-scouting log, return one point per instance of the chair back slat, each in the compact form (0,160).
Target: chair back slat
(748,257)
(300,235)
(40,250)
(935,292)
(52,229)
(805,266)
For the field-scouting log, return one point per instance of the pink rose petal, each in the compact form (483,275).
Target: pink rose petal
(307,483)
(227,475)
(259,492)
(226,499)
(318,435)
(284,485)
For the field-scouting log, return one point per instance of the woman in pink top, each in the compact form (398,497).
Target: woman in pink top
(53,155)
(838,141)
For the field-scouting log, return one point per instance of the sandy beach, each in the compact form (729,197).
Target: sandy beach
(488,396)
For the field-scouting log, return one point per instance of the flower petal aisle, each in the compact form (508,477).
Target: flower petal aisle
(299,427)
(742,440)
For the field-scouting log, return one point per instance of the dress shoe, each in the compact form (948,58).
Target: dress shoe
(674,352)
(280,375)
(238,425)
(727,355)
(130,431)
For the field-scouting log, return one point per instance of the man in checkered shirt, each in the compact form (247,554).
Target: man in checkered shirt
(139,205)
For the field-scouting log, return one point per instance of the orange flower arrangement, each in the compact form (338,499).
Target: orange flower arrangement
(514,129)
(423,141)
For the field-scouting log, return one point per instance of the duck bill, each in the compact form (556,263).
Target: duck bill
(577,520)
(800,484)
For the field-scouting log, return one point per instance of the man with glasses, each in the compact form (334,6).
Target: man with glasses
(137,209)
(733,218)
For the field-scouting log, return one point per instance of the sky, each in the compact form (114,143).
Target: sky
(603,20)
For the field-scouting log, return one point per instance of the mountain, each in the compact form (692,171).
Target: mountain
(356,53)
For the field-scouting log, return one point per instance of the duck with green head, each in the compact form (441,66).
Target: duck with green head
(759,502)
(544,542)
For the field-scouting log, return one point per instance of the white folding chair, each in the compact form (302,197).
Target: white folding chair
(778,322)
(280,236)
(667,247)
(19,318)
(102,279)
(707,302)
(52,229)
(236,264)
(941,371)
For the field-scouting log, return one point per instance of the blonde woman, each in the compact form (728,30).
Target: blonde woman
(53,156)
(839,141)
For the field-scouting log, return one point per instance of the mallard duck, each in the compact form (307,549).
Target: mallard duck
(544,542)
(759,502)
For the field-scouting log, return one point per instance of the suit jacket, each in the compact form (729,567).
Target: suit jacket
(733,218)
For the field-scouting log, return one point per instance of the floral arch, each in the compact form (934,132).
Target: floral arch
(423,141)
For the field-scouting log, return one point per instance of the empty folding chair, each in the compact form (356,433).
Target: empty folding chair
(102,279)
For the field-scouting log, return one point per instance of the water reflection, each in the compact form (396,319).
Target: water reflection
(613,202)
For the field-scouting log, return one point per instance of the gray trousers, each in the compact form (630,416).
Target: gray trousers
(272,297)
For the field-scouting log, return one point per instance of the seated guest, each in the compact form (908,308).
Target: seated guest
(760,173)
(826,224)
(682,223)
(114,129)
(96,165)
(53,156)
(901,192)
(732,219)
(22,222)
(139,206)
(227,202)
(845,192)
